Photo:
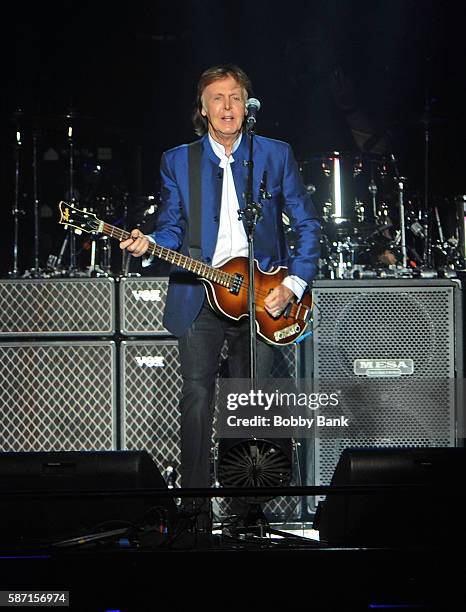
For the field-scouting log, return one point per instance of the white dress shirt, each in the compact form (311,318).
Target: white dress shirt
(231,238)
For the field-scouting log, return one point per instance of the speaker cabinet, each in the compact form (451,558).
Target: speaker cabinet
(142,301)
(47,496)
(57,396)
(395,348)
(57,307)
(395,518)
(150,388)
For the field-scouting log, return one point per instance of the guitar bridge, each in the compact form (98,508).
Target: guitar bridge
(236,283)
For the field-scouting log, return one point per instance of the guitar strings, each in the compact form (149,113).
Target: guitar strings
(115,232)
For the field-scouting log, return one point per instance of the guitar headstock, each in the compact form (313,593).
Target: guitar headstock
(79,219)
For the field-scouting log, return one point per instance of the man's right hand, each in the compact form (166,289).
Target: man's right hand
(137,244)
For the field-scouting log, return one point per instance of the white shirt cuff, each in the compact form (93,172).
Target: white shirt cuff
(296,284)
(149,258)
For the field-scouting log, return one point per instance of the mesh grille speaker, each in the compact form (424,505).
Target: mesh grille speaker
(57,396)
(142,301)
(150,388)
(57,307)
(387,320)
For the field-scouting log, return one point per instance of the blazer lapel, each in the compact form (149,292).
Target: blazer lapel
(212,176)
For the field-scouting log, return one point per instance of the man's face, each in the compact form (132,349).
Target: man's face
(223,103)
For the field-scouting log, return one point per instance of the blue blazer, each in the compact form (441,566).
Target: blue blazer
(186,293)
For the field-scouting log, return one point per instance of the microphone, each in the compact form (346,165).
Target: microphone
(252,106)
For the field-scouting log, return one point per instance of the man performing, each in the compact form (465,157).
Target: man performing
(219,118)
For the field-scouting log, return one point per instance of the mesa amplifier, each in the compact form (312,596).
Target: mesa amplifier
(394,350)
(57,307)
(142,301)
(150,388)
(57,396)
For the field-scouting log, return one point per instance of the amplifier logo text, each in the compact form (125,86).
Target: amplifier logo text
(383,368)
(147,295)
(150,361)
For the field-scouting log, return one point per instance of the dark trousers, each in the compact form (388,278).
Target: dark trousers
(200,350)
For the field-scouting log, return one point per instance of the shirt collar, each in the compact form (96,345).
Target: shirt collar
(219,149)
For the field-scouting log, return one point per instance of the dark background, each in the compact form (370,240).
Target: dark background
(129,72)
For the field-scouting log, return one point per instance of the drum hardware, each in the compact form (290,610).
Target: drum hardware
(341,259)
(327,211)
(326,168)
(337,200)
(425,273)
(360,272)
(383,216)
(460,210)
(373,189)
(439,225)
(400,185)
(360,211)
(418,230)
(16,212)
(357,167)
(105,254)
(69,242)
(36,271)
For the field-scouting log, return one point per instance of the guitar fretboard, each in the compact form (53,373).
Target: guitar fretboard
(216,275)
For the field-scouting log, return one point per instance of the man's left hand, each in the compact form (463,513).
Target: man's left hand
(277,300)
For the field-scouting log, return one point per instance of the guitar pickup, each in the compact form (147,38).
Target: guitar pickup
(236,283)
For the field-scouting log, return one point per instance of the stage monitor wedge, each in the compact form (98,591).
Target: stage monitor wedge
(93,479)
(412,515)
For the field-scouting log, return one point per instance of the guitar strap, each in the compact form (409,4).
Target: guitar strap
(195,199)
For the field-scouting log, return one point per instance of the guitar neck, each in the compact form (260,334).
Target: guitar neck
(216,275)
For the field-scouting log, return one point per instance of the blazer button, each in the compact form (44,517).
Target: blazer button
(216,218)
(208,259)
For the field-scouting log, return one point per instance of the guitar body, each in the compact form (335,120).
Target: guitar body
(281,330)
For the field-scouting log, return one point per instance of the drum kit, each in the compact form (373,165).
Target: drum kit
(372,226)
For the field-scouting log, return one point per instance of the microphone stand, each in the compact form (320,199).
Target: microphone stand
(254,518)
(251,214)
